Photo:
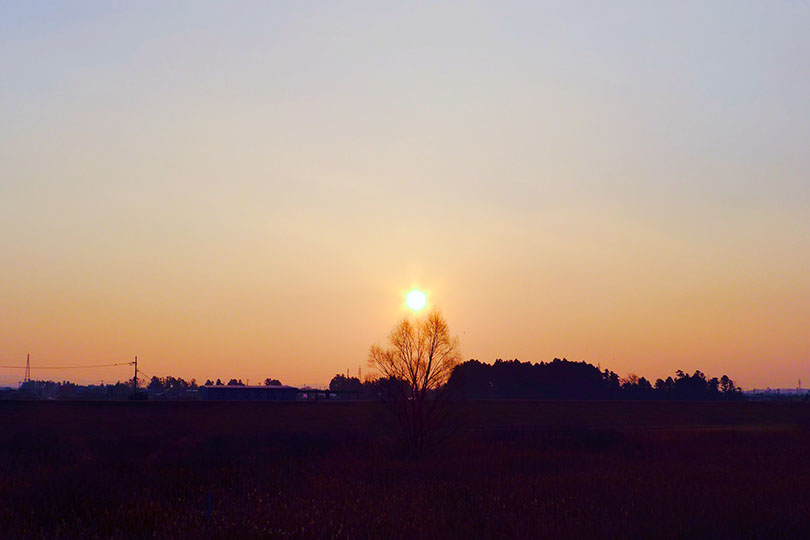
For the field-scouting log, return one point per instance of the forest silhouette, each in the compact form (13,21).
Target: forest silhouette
(558,379)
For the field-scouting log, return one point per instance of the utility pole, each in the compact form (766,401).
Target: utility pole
(135,378)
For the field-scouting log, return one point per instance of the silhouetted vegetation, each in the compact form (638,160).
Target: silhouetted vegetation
(416,364)
(511,379)
(341,383)
(157,384)
(562,379)
(38,389)
(161,388)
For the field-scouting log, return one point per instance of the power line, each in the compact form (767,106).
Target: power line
(84,367)
(70,367)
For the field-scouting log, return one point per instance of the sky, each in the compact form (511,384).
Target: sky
(249,191)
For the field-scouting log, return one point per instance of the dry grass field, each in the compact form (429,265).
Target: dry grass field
(504,469)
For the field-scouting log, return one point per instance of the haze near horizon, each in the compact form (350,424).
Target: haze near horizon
(250,191)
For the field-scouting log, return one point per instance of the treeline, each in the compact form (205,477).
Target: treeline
(510,379)
(47,389)
(562,379)
(354,388)
(159,384)
(558,379)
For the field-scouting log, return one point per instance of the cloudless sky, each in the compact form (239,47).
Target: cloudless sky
(250,191)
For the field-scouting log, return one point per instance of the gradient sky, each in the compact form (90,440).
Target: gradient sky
(250,191)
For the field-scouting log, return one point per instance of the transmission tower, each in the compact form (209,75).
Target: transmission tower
(27,376)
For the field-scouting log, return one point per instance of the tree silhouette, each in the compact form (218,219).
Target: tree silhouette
(341,383)
(415,367)
(727,385)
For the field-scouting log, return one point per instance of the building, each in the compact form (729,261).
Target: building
(248,393)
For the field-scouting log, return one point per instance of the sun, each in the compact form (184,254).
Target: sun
(416,299)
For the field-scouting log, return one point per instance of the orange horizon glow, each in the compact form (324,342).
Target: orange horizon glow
(235,193)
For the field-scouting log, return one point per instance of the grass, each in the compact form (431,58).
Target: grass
(506,469)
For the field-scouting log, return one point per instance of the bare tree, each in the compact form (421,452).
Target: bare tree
(416,365)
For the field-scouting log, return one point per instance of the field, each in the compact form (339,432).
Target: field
(504,469)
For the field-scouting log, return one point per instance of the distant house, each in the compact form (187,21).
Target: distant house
(248,393)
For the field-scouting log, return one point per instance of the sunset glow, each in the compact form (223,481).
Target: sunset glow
(245,192)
